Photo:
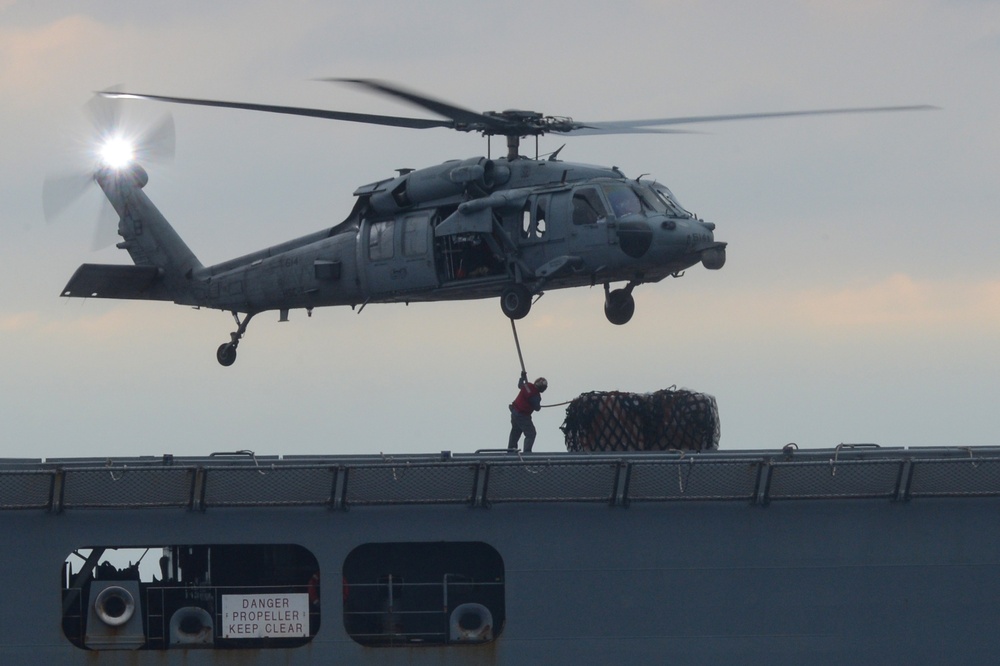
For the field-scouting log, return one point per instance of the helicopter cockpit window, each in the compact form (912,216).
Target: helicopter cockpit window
(652,201)
(588,207)
(623,199)
(380,241)
(663,200)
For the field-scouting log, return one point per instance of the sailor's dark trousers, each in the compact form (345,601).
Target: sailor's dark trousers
(521,423)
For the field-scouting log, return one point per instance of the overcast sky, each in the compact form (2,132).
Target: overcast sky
(860,301)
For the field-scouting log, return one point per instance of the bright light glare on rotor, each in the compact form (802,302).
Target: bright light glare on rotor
(117,152)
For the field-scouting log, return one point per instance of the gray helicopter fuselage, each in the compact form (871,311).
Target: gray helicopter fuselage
(465,229)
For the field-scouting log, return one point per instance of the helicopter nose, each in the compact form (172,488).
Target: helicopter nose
(634,238)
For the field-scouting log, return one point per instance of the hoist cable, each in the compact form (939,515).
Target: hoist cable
(517,343)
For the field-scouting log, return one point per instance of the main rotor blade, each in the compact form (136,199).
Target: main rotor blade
(460,115)
(617,126)
(372,119)
(587,130)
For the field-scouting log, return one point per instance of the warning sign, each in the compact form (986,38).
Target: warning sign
(265,615)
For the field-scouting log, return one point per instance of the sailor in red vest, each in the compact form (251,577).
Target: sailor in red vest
(528,400)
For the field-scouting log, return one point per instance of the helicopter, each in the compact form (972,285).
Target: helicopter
(509,228)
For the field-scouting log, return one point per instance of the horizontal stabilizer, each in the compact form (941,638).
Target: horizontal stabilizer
(111,281)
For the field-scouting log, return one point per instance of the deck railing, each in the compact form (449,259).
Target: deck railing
(486,479)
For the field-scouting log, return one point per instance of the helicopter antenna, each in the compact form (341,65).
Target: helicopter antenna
(553,156)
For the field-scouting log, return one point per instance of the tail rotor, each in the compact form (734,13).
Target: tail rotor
(114,144)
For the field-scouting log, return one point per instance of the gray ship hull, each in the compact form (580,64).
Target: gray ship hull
(826,557)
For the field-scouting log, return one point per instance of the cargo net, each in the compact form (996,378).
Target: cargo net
(671,419)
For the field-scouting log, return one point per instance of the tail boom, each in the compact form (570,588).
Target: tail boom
(164,264)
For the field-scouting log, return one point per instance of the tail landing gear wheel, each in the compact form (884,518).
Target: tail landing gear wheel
(619,306)
(515,301)
(226,354)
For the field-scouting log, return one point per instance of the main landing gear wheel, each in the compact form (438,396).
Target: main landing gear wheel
(619,306)
(226,354)
(515,301)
